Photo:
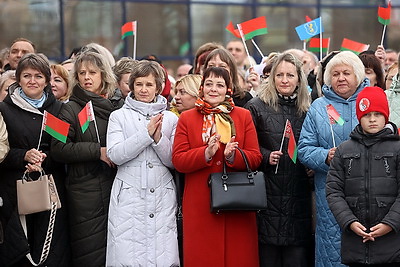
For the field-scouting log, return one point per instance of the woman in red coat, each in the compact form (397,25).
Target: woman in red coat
(205,137)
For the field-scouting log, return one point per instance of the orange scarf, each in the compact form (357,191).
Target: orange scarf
(216,120)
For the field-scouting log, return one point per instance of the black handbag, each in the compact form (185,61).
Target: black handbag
(238,191)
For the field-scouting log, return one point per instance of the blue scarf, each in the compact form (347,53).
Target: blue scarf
(37,103)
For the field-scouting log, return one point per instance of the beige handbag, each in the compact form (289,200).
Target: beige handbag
(37,196)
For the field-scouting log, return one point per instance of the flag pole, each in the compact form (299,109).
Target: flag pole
(94,119)
(258,49)
(383,34)
(97,131)
(134,40)
(280,149)
(333,136)
(304,45)
(320,39)
(244,43)
(41,130)
(329,43)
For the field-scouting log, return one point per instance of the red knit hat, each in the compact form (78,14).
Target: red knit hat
(372,99)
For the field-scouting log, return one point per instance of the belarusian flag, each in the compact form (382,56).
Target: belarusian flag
(129,28)
(334,116)
(353,46)
(315,45)
(292,147)
(250,28)
(230,28)
(55,127)
(85,116)
(384,14)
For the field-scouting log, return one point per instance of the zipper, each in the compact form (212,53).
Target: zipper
(368,205)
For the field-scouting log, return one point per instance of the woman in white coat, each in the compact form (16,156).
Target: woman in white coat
(142,225)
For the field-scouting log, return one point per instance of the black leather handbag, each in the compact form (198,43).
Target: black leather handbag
(238,191)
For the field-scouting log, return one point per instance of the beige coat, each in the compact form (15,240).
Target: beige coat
(4,147)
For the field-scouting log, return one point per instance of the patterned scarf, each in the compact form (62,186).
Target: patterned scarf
(217,120)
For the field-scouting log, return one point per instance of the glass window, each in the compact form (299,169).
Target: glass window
(38,21)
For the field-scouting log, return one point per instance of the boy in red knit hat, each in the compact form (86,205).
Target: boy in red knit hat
(363,186)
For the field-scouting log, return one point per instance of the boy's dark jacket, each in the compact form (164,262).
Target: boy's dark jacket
(363,184)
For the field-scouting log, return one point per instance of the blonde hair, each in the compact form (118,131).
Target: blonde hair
(108,80)
(145,68)
(64,74)
(191,83)
(346,58)
(269,93)
(8,75)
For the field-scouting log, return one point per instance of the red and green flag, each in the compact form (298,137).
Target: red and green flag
(128,29)
(315,44)
(292,147)
(250,28)
(85,116)
(55,127)
(384,14)
(353,46)
(334,116)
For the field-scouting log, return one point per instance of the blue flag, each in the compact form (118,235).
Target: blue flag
(310,29)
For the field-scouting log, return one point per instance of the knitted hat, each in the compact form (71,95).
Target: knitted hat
(372,99)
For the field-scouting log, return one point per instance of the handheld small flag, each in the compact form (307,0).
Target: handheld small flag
(310,29)
(230,28)
(334,116)
(292,147)
(308,19)
(384,14)
(55,127)
(250,28)
(85,116)
(128,29)
(315,45)
(353,46)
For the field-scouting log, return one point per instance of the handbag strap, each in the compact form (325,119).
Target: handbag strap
(49,235)
(245,162)
(50,227)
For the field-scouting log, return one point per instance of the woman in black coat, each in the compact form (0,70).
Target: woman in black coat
(285,227)
(90,172)
(22,110)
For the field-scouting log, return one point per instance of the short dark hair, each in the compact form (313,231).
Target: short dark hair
(36,62)
(217,72)
(372,62)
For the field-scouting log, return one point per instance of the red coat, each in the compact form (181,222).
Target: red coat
(225,239)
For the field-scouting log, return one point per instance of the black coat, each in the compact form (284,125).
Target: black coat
(89,179)
(287,221)
(24,126)
(363,184)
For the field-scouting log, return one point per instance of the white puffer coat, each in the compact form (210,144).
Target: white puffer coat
(141,226)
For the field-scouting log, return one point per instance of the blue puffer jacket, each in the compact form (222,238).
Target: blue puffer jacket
(314,144)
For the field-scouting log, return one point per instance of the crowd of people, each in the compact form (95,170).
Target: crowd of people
(333,201)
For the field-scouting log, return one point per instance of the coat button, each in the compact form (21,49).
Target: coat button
(150,165)
(151,190)
(218,162)
(151,215)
